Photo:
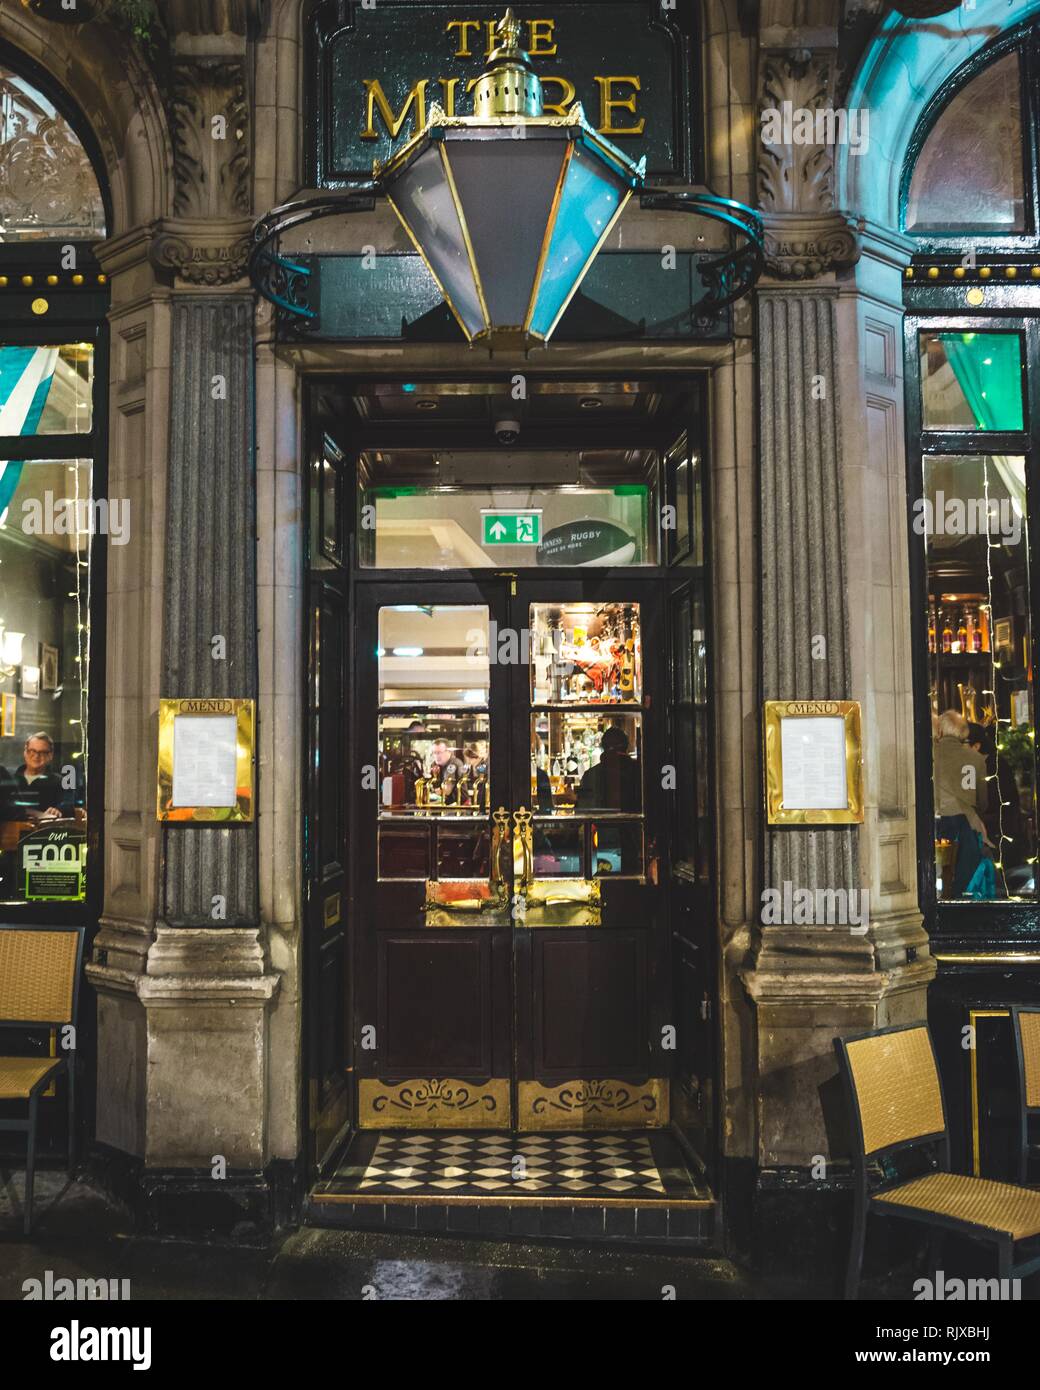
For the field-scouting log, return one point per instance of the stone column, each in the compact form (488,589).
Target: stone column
(207,988)
(833,600)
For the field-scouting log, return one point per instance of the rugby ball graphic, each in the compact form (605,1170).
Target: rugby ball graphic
(587,543)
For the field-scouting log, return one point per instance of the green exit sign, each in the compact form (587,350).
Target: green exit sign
(512,528)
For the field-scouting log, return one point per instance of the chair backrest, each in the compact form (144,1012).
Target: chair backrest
(895,1086)
(39,971)
(1027,1027)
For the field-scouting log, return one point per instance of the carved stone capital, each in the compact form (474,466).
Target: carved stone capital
(795,165)
(210,120)
(203,252)
(802,247)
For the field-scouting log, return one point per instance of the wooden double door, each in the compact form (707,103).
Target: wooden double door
(511,950)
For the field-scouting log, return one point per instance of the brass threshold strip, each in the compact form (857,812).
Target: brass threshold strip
(988,957)
(461,1199)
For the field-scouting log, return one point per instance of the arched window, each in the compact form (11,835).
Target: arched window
(972,336)
(48,187)
(55,518)
(970,174)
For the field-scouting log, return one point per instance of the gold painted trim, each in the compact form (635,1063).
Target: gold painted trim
(588,265)
(988,958)
(562,902)
(593,1104)
(434,1103)
(976,1142)
(245,716)
(404,1199)
(438,119)
(436,278)
(778,710)
(550,227)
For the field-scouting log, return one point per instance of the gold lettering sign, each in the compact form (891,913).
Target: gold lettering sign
(618,93)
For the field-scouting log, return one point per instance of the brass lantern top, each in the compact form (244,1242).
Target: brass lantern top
(508,86)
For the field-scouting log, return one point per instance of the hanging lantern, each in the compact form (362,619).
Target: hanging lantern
(508,207)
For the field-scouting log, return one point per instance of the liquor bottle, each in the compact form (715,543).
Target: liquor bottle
(984,627)
(962,634)
(627,683)
(931,628)
(947,634)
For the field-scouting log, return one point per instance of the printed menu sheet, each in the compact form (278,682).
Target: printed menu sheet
(205,760)
(812,757)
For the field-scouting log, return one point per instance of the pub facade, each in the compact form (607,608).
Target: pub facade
(503,474)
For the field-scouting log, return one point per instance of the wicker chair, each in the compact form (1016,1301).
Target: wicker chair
(896,1105)
(39,988)
(1027,1044)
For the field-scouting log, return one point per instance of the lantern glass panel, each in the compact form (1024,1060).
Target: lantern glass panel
(423,198)
(591,195)
(507,204)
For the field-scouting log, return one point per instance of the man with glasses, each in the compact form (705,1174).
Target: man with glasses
(34,793)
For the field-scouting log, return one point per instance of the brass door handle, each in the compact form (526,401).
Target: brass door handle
(498,835)
(523,850)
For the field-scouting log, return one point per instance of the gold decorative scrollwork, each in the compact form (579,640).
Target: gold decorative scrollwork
(434,1102)
(593,1104)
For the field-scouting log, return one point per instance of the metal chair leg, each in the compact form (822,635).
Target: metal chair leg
(30,1166)
(859,1240)
(70,1071)
(1006,1261)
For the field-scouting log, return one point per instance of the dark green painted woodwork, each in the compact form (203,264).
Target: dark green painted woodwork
(626,294)
(401,42)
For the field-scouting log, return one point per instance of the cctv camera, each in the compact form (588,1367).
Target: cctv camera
(507,431)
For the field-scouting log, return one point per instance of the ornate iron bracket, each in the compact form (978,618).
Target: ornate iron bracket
(731,274)
(283,281)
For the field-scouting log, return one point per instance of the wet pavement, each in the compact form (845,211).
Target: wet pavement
(79,1233)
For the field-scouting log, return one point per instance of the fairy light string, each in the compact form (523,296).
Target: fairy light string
(996,675)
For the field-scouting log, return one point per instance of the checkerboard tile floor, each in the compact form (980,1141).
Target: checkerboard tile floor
(638,1164)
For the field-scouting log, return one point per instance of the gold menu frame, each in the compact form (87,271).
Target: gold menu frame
(850,712)
(243,810)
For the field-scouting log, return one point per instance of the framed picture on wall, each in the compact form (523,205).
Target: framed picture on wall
(48,667)
(30,682)
(7,708)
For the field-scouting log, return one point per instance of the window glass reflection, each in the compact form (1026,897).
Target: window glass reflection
(969,174)
(586,761)
(47,521)
(46,390)
(433,655)
(972,518)
(585,653)
(617,849)
(434,763)
(558,849)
